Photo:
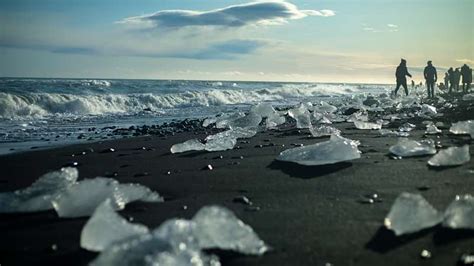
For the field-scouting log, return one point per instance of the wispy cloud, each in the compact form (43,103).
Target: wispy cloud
(254,13)
(387,28)
(465,61)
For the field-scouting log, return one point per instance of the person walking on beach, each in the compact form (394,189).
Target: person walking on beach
(401,74)
(451,79)
(446,80)
(466,73)
(431,77)
(457,78)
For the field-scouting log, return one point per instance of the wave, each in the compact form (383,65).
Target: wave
(14,105)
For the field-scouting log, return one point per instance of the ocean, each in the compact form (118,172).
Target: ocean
(52,112)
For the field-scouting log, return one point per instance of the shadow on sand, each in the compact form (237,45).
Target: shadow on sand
(302,171)
(385,240)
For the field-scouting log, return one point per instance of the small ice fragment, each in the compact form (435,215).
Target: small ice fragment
(406,147)
(336,149)
(451,156)
(189,145)
(263,109)
(82,198)
(425,254)
(366,125)
(324,107)
(224,120)
(431,129)
(321,119)
(274,120)
(407,127)
(217,227)
(39,195)
(468,97)
(463,127)
(301,115)
(106,227)
(220,144)
(323,130)
(460,213)
(358,116)
(428,109)
(411,213)
(388,132)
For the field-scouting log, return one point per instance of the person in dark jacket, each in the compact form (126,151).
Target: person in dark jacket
(466,73)
(451,79)
(401,74)
(431,77)
(457,78)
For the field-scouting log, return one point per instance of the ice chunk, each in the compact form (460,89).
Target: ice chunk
(274,120)
(39,195)
(407,127)
(460,213)
(431,129)
(263,109)
(148,250)
(220,144)
(411,213)
(451,156)
(323,130)
(301,115)
(468,97)
(225,120)
(463,127)
(106,227)
(406,147)
(388,132)
(324,107)
(366,125)
(336,149)
(428,109)
(236,133)
(189,145)
(251,120)
(321,119)
(358,116)
(82,198)
(218,227)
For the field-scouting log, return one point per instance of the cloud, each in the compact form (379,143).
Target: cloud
(393,26)
(387,28)
(465,61)
(254,13)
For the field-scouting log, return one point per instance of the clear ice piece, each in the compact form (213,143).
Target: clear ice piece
(218,227)
(428,109)
(468,97)
(301,115)
(407,148)
(251,120)
(431,129)
(39,195)
(366,125)
(274,120)
(82,198)
(224,120)
(189,145)
(324,107)
(451,156)
(390,133)
(106,227)
(463,127)
(460,213)
(411,213)
(322,130)
(263,109)
(407,127)
(336,149)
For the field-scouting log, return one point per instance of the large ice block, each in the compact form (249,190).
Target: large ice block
(82,198)
(189,145)
(451,156)
(217,227)
(336,149)
(105,227)
(251,120)
(460,213)
(411,213)
(301,115)
(39,195)
(407,148)
(463,127)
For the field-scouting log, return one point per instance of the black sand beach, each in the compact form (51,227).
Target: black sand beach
(309,215)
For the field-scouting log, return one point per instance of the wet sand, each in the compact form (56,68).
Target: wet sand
(309,215)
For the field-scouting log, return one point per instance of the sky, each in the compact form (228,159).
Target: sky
(357,41)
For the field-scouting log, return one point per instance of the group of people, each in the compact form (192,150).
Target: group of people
(452,77)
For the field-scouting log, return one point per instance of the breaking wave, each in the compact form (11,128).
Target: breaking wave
(42,104)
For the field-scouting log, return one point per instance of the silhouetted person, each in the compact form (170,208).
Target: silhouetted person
(401,74)
(412,84)
(466,73)
(451,79)
(431,77)
(457,78)
(446,80)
